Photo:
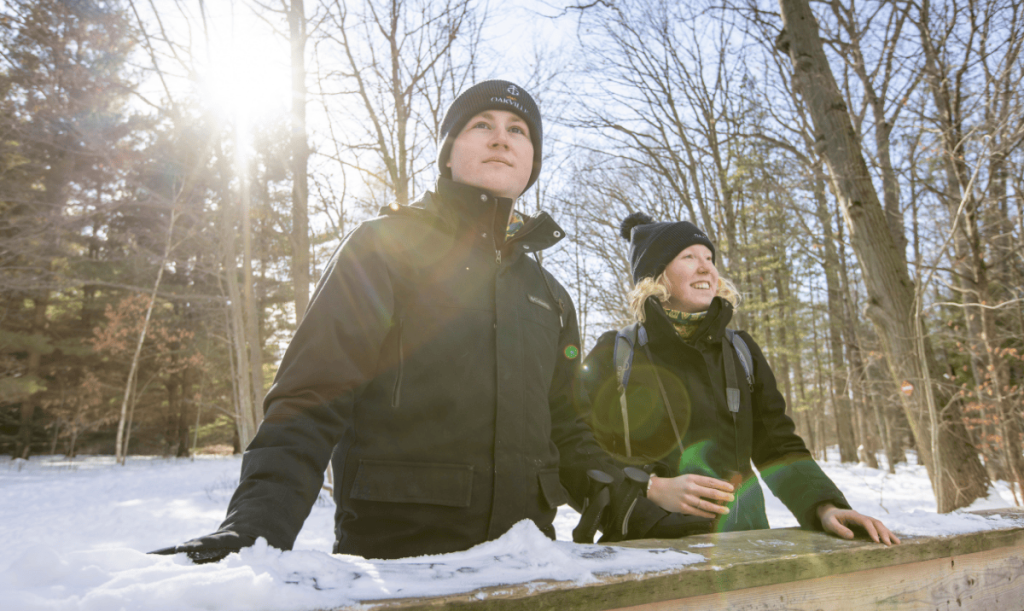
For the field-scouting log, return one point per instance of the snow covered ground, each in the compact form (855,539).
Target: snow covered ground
(75,534)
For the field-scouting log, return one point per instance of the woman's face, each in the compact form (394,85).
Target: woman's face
(692,280)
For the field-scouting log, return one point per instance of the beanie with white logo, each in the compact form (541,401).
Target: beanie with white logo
(489,95)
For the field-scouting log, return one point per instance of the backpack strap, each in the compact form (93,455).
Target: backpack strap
(625,344)
(626,341)
(746,360)
(664,400)
(731,342)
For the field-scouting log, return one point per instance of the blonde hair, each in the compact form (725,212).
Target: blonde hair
(659,287)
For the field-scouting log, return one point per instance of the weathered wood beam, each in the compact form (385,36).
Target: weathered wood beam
(786,569)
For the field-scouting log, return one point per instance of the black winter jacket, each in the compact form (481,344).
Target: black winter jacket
(693,374)
(434,367)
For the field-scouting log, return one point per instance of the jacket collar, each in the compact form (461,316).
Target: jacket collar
(465,208)
(660,329)
(472,207)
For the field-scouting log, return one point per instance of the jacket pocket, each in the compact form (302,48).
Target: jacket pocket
(551,488)
(396,393)
(449,485)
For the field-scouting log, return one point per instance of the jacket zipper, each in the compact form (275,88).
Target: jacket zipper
(396,394)
(494,227)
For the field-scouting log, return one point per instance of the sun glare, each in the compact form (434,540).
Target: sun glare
(246,73)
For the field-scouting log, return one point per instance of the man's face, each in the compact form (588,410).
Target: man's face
(493,152)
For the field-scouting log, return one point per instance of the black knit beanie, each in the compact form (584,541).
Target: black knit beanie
(653,245)
(489,95)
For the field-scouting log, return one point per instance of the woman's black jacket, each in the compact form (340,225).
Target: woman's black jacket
(435,370)
(716,445)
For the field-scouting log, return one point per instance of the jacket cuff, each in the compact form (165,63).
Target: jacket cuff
(811,521)
(645,515)
(803,486)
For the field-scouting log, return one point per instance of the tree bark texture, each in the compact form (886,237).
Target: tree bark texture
(299,159)
(876,98)
(245,421)
(121,444)
(252,309)
(840,388)
(28,405)
(891,295)
(173,417)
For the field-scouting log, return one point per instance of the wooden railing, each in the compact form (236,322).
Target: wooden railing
(788,569)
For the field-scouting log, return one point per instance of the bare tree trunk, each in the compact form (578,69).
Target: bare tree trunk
(245,421)
(173,418)
(876,94)
(863,397)
(28,405)
(808,413)
(783,360)
(960,477)
(195,432)
(184,407)
(120,444)
(56,435)
(857,373)
(131,415)
(834,303)
(300,158)
(251,308)
(71,442)
(819,380)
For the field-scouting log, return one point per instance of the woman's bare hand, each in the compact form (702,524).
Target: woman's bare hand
(695,495)
(836,521)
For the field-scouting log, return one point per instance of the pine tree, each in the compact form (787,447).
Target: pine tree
(67,139)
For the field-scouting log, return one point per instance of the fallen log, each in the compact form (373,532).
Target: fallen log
(786,569)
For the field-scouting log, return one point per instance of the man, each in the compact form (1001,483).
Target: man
(434,368)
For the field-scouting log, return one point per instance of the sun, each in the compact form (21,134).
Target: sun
(244,75)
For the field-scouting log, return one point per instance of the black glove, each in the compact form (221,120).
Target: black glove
(627,492)
(211,548)
(609,504)
(677,525)
(595,506)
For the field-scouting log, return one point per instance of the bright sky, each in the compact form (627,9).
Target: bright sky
(244,67)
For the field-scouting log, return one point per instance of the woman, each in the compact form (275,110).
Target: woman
(675,415)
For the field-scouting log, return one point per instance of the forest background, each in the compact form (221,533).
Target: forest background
(176,173)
